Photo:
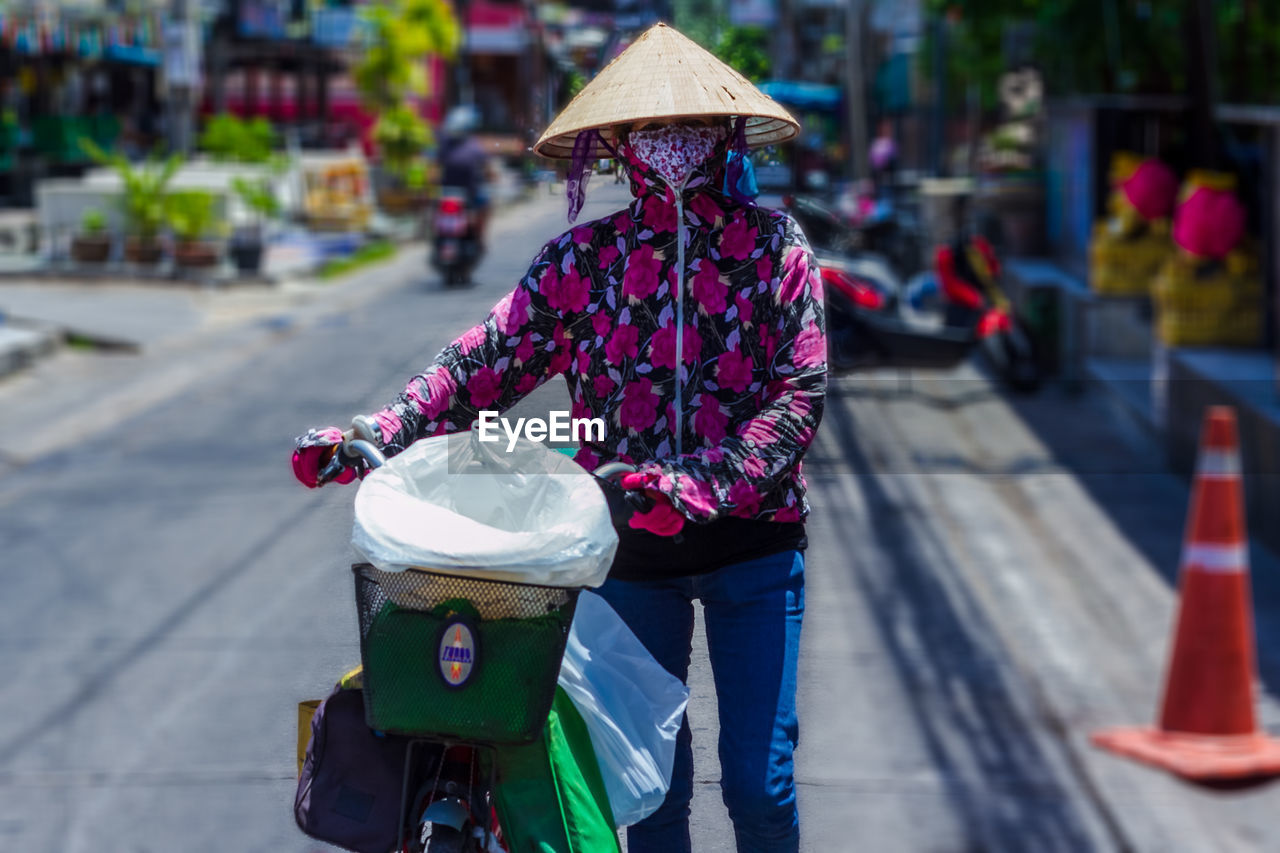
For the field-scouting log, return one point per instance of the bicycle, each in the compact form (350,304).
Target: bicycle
(489,684)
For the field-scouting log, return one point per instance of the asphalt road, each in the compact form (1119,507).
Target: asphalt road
(989,580)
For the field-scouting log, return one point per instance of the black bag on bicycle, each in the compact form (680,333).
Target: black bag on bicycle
(349,790)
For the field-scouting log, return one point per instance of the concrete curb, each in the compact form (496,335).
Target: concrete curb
(20,346)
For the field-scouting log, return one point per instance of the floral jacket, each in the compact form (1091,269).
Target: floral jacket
(602,305)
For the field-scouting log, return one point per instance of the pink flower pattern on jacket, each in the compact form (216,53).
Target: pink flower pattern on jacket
(598,306)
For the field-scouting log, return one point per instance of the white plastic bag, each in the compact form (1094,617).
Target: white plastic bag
(462,506)
(631,705)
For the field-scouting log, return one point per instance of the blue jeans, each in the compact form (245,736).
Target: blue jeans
(752,612)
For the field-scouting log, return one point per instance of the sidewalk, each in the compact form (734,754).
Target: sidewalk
(1109,342)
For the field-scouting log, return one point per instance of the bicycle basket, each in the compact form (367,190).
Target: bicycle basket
(460,659)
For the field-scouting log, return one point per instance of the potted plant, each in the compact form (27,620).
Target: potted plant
(193,219)
(142,201)
(248,242)
(93,244)
(228,138)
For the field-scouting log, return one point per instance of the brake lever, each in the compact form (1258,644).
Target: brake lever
(360,446)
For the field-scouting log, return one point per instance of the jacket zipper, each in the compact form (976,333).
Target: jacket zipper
(680,322)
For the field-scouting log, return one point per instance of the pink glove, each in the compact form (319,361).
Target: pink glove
(663,519)
(314,450)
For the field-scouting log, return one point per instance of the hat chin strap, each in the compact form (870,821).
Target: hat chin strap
(575,187)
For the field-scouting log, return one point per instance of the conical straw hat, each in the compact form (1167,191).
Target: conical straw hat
(664,75)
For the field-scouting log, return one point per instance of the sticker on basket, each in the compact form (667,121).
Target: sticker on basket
(457,652)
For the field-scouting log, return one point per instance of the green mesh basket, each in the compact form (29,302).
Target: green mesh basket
(460,659)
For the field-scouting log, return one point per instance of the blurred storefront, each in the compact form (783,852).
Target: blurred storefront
(501,72)
(289,61)
(75,70)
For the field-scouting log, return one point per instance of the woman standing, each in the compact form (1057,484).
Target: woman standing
(692,323)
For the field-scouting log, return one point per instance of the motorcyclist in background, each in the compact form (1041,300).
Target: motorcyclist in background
(465,164)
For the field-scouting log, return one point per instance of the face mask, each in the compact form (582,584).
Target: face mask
(676,150)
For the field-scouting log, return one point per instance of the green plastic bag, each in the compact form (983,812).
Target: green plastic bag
(550,795)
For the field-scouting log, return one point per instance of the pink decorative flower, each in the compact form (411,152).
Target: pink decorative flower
(569,293)
(707,210)
(641,277)
(584,362)
(708,288)
(764,269)
(759,431)
(562,354)
(663,346)
(526,384)
(810,348)
(608,255)
(441,387)
(787,513)
(587,459)
(714,455)
(710,421)
(470,339)
(525,350)
(484,386)
(602,324)
(738,239)
(696,495)
(733,370)
(512,312)
(795,275)
(623,343)
(745,309)
(659,215)
(745,498)
(582,234)
(639,405)
(604,385)
(754,467)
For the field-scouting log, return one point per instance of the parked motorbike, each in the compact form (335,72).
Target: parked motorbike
(867,325)
(455,241)
(969,276)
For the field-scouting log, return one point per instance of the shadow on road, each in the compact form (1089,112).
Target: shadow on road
(996,752)
(1131,482)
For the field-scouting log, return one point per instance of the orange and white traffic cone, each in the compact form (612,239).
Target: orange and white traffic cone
(1207,730)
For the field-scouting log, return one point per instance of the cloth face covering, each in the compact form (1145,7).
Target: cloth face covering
(676,150)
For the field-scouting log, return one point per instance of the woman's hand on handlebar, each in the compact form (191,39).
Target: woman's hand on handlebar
(313,454)
(662,519)
(329,455)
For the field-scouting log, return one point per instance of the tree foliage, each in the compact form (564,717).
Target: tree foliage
(392,70)
(745,49)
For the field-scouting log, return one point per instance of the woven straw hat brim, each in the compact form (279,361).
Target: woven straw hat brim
(665,76)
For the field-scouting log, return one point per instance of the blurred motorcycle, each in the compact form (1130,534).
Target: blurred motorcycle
(969,276)
(455,242)
(867,325)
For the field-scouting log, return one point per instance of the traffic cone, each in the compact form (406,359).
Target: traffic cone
(1207,730)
